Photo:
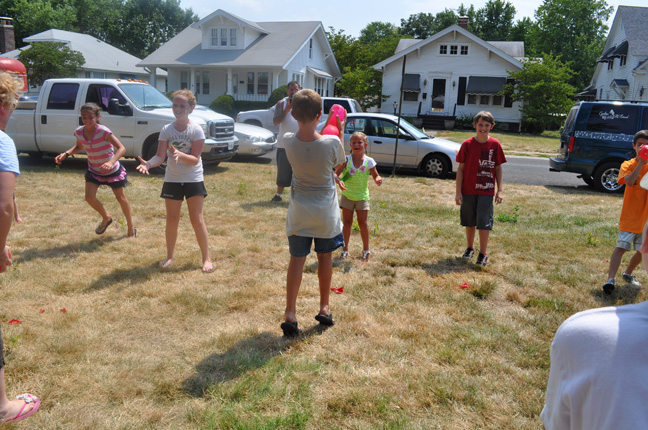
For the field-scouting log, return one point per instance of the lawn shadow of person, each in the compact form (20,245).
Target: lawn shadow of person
(65,251)
(622,295)
(449,265)
(247,355)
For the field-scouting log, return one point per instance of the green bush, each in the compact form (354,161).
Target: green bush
(277,95)
(464,122)
(224,104)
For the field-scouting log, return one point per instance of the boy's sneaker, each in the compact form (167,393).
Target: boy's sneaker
(276,198)
(608,287)
(631,279)
(482,260)
(468,254)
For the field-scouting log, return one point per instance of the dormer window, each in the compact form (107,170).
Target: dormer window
(453,49)
(223,37)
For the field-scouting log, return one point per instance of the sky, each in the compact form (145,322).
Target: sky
(353,15)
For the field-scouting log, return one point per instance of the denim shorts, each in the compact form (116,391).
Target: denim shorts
(300,246)
(182,190)
(477,210)
(629,241)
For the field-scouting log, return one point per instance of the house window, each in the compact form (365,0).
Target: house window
(223,38)
(320,85)
(232,37)
(611,64)
(197,91)
(410,96)
(497,100)
(464,49)
(205,83)
(262,85)
(443,49)
(299,78)
(622,60)
(235,83)
(250,83)
(453,49)
(472,99)
(483,99)
(214,37)
(310,49)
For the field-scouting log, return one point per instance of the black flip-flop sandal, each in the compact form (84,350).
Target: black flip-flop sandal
(290,329)
(101,229)
(325,319)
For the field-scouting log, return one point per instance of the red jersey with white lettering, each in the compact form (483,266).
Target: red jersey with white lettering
(480,160)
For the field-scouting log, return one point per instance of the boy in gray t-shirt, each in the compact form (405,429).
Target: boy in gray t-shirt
(313,213)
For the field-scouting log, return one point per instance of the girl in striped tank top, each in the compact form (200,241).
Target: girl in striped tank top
(104,151)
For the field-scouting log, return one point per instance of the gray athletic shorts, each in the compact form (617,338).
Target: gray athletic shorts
(629,241)
(477,211)
(284,169)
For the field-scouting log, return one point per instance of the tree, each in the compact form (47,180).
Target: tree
(376,31)
(35,16)
(544,89)
(423,25)
(495,20)
(45,60)
(573,31)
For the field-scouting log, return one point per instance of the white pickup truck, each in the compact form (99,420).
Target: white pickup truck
(263,117)
(133,110)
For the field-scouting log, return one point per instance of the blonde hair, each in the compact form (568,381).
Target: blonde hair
(306,105)
(486,116)
(362,136)
(191,98)
(9,88)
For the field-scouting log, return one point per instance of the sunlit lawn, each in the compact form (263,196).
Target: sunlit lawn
(423,340)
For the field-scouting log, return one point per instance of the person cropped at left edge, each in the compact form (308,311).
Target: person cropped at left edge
(26,404)
(104,151)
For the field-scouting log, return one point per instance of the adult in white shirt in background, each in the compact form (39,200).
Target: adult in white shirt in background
(287,124)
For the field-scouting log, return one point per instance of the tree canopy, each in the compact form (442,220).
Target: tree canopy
(46,60)
(138,27)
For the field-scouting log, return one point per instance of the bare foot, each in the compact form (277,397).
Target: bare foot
(166,263)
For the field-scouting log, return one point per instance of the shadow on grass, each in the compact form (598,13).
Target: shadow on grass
(450,265)
(622,295)
(248,354)
(580,189)
(266,203)
(135,275)
(65,251)
(251,159)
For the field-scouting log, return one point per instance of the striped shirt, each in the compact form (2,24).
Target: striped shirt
(99,150)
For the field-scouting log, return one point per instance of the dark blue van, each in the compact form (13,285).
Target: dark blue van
(597,138)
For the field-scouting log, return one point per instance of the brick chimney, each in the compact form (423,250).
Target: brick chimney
(463,22)
(7,40)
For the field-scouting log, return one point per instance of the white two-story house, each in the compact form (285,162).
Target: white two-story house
(452,73)
(225,54)
(622,70)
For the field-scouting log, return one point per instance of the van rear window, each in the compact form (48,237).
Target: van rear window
(613,119)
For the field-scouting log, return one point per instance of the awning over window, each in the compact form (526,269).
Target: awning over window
(412,83)
(620,51)
(485,85)
(320,73)
(606,55)
(620,83)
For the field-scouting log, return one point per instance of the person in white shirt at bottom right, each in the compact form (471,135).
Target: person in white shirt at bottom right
(599,369)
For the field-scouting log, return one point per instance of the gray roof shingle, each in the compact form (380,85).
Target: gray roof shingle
(635,22)
(274,49)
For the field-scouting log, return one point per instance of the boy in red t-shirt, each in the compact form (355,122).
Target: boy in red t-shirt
(634,214)
(480,161)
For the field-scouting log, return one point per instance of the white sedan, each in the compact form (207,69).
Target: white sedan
(432,156)
(254,140)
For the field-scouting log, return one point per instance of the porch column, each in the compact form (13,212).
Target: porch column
(192,79)
(275,79)
(229,89)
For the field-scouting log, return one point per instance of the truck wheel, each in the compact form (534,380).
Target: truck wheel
(254,122)
(150,149)
(606,178)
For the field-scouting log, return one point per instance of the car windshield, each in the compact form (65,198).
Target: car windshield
(415,132)
(145,96)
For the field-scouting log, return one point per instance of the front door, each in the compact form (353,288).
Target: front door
(438,95)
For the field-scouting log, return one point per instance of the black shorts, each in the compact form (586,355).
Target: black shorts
(477,210)
(182,190)
(284,169)
(2,360)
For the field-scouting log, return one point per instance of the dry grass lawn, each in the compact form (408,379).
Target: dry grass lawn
(109,341)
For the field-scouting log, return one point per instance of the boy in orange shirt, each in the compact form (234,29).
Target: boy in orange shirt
(634,214)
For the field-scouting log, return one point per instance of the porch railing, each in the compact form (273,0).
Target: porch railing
(251,97)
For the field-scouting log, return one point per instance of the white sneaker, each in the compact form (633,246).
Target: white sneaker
(631,279)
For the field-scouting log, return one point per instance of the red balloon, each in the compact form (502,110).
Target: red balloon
(643,152)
